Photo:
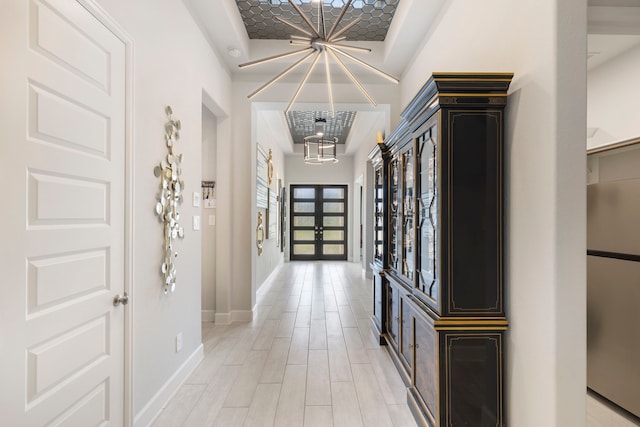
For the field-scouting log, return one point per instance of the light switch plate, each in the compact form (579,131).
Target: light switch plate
(212,220)
(196,222)
(196,199)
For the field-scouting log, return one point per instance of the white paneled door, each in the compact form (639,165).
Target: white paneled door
(62,109)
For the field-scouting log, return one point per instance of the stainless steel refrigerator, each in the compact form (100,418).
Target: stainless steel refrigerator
(613,279)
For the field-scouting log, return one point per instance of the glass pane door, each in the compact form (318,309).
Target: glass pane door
(408,241)
(318,222)
(428,216)
(378,214)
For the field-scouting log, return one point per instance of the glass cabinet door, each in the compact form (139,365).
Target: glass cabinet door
(428,282)
(378,214)
(408,197)
(394,211)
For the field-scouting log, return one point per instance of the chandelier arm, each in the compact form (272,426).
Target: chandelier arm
(295,27)
(364,64)
(304,80)
(293,36)
(353,78)
(326,63)
(343,29)
(323,26)
(303,16)
(335,24)
(272,58)
(282,74)
(345,46)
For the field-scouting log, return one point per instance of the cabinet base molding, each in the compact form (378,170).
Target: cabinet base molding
(378,333)
(402,369)
(421,418)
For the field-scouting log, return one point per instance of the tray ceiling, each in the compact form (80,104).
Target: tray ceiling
(303,123)
(259,17)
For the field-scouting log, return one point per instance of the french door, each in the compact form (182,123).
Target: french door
(318,222)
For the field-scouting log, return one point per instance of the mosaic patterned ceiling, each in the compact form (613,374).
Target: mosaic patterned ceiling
(259,17)
(303,123)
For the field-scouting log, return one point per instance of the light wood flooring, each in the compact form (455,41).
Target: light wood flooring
(308,358)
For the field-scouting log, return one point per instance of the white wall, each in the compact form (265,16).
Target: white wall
(271,257)
(208,233)
(172,65)
(544,43)
(612,101)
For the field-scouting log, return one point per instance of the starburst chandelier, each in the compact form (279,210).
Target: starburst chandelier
(318,42)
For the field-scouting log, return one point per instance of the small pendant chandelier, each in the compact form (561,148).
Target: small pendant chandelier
(319,150)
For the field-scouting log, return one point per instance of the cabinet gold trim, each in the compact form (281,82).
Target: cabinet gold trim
(474,95)
(454,323)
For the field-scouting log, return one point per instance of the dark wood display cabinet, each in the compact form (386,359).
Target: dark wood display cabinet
(378,266)
(438,236)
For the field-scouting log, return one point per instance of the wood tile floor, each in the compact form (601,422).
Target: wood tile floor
(308,358)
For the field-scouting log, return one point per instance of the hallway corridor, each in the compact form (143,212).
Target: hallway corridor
(309,358)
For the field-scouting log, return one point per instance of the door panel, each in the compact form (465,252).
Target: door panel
(63,356)
(318,218)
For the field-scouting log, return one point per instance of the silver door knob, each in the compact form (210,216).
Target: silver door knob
(117,300)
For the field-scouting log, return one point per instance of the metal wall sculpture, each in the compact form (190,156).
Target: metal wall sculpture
(169,200)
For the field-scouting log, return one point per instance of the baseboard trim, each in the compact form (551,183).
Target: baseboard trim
(266,284)
(233,316)
(222,318)
(152,409)
(208,316)
(241,316)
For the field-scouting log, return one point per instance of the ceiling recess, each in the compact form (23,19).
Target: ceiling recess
(260,17)
(303,123)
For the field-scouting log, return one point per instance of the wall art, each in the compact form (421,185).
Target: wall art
(169,200)
(260,235)
(272,214)
(209,194)
(262,176)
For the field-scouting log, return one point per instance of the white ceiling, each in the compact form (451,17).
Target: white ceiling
(605,47)
(613,27)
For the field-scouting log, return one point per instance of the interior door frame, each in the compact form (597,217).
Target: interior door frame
(112,25)
(318,202)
